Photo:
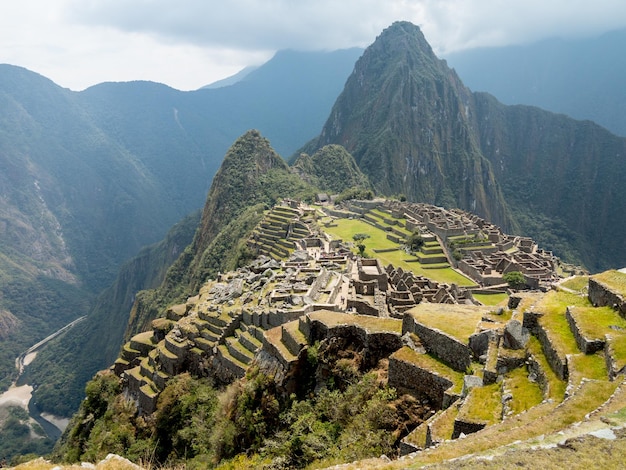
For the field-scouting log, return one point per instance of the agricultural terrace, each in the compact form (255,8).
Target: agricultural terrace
(345,229)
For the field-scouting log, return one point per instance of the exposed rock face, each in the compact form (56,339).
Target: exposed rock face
(407,120)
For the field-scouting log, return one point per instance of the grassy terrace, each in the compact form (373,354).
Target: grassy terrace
(492,299)
(555,386)
(428,362)
(483,404)
(459,321)
(576,283)
(615,280)
(526,394)
(345,229)
(553,307)
(443,426)
(592,366)
(596,322)
(545,418)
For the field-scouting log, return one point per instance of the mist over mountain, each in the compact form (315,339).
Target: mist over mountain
(582,78)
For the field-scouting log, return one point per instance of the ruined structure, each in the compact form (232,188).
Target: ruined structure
(441,345)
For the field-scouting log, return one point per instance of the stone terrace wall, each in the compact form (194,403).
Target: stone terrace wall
(586,345)
(450,350)
(557,363)
(601,295)
(376,345)
(409,377)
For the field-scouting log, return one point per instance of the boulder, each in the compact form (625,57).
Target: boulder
(515,335)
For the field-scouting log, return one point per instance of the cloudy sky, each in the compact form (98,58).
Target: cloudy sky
(189,43)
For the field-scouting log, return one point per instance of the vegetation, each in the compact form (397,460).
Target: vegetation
(18,436)
(359,238)
(514,279)
(248,421)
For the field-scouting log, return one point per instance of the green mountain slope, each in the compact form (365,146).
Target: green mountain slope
(252,177)
(561,178)
(331,168)
(87,179)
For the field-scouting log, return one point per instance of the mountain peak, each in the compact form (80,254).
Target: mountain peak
(407,120)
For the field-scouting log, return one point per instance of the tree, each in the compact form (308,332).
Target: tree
(358,238)
(415,241)
(514,279)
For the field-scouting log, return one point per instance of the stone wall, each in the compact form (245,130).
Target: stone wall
(586,345)
(450,350)
(374,345)
(557,362)
(601,295)
(410,378)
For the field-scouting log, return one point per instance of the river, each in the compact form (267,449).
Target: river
(21,394)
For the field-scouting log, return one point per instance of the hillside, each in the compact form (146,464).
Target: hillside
(415,129)
(89,178)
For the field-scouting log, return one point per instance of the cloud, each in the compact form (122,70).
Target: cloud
(189,43)
(328,24)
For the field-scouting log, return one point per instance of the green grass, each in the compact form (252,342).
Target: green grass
(596,322)
(443,426)
(576,283)
(483,404)
(346,228)
(526,394)
(613,279)
(589,366)
(431,363)
(492,299)
(459,321)
(553,307)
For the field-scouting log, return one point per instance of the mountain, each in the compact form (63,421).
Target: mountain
(580,77)
(414,128)
(89,178)
(403,115)
(252,177)
(232,79)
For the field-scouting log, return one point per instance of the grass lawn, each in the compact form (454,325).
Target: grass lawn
(576,283)
(459,321)
(553,307)
(492,299)
(556,387)
(483,404)
(346,228)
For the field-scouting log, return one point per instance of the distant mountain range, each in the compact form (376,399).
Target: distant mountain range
(583,78)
